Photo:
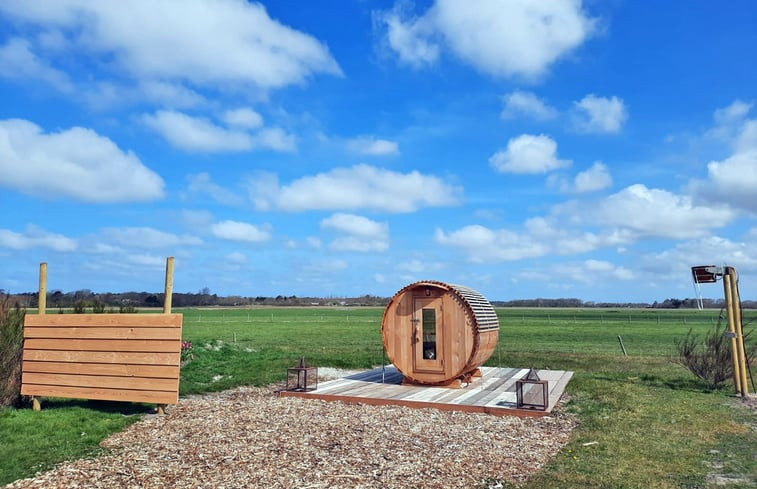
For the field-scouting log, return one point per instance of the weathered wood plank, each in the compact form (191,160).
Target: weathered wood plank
(166,346)
(116,369)
(97,332)
(104,320)
(100,381)
(154,397)
(131,358)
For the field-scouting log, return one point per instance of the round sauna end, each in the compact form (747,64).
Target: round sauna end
(436,333)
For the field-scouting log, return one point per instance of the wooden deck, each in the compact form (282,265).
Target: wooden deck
(493,393)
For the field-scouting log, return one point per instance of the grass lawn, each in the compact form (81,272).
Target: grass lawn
(644,421)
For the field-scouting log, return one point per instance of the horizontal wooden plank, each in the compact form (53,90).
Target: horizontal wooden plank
(156,397)
(118,369)
(104,320)
(132,358)
(111,333)
(167,346)
(100,381)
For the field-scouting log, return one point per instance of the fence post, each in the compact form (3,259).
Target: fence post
(42,297)
(169,286)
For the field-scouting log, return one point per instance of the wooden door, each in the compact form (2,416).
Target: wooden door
(428,331)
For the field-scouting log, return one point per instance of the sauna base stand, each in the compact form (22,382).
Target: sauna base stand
(458,383)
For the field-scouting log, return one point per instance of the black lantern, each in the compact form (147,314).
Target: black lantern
(302,378)
(532,392)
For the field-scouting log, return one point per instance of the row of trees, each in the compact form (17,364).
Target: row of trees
(109,300)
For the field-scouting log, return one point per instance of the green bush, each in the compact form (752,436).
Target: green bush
(11,349)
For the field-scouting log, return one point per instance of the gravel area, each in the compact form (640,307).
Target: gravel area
(249,437)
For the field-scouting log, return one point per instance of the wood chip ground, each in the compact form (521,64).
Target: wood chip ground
(249,437)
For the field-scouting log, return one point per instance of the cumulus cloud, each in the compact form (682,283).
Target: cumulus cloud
(239,231)
(648,212)
(528,154)
(17,61)
(76,163)
(597,177)
(243,117)
(520,103)
(357,187)
(676,262)
(35,237)
(357,233)
(373,147)
(501,39)
(202,183)
(196,133)
(200,134)
(592,271)
(481,244)
(600,114)
(220,44)
(146,237)
(733,180)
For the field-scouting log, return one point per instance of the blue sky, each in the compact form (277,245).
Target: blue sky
(594,150)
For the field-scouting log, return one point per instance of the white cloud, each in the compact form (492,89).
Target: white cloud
(528,154)
(200,134)
(145,237)
(17,61)
(646,212)
(597,177)
(591,271)
(35,237)
(372,146)
(676,262)
(76,163)
(520,103)
(357,233)
(223,43)
(733,181)
(201,183)
(502,39)
(482,244)
(165,93)
(239,231)
(196,133)
(357,187)
(600,114)
(236,258)
(734,113)
(243,117)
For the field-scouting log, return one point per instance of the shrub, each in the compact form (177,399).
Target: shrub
(11,350)
(711,357)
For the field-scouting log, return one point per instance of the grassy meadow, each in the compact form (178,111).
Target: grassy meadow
(644,420)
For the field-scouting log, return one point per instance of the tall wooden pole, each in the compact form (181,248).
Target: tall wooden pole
(736,307)
(169,286)
(732,330)
(42,298)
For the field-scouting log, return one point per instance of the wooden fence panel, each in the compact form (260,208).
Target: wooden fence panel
(116,357)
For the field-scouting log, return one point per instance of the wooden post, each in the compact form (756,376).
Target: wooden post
(736,307)
(169,286)
(42,298)
(732,330)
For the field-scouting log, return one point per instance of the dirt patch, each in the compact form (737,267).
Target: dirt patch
(249,437)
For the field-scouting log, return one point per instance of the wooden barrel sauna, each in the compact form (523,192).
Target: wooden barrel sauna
(437,333)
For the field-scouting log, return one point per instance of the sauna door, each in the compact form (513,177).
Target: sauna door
(428,351)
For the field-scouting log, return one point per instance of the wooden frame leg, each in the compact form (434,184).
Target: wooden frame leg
(161,409)
(36,406)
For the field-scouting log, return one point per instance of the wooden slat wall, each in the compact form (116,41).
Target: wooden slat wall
(113,357)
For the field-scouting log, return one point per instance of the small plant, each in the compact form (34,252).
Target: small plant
(80,307)
(98,307)
(127,309)
(709,358)
(11,348)
(186,351)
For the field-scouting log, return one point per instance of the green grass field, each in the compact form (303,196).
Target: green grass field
(644,421)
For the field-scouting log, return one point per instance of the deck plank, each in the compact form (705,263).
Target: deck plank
(493,392)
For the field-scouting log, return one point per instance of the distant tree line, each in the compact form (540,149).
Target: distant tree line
(123,301)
